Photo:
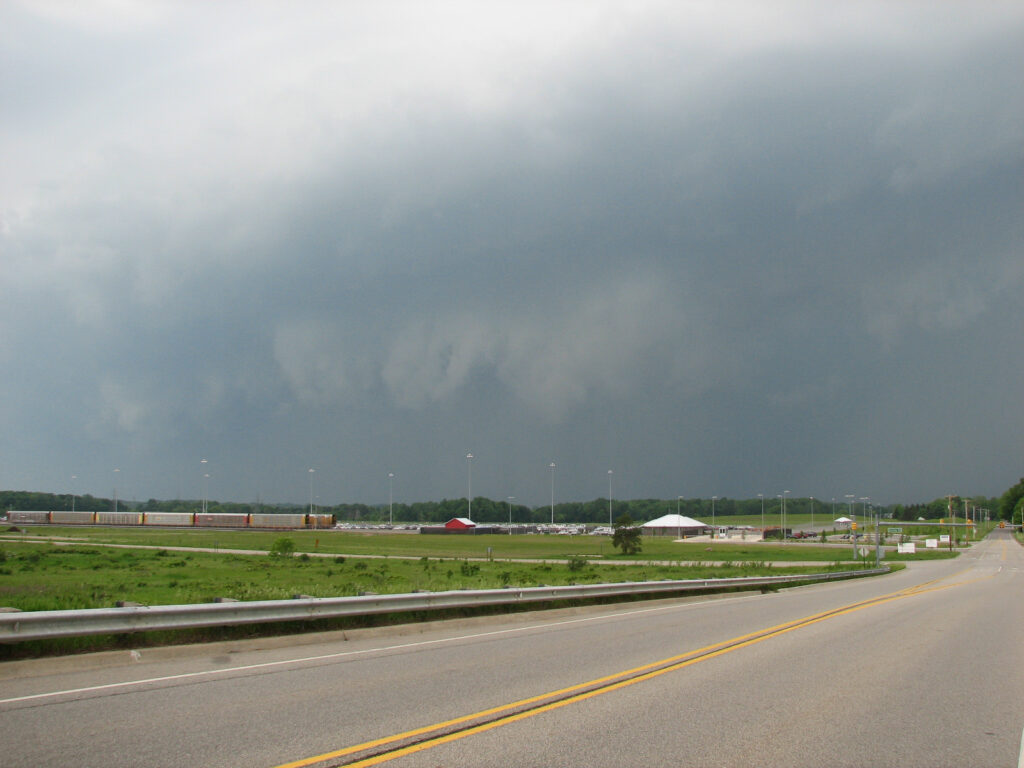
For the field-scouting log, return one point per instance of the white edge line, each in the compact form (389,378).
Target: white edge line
(342,654)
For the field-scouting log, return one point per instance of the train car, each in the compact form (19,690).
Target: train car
(319,521)
(26,517)
(266,520)
(178,519)
(221,520)
(119,518)
(73,518)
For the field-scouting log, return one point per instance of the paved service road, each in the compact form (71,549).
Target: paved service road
(924,667)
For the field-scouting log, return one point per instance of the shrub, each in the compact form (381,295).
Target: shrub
(283,547)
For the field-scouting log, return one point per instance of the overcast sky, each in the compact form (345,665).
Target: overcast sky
(720,248)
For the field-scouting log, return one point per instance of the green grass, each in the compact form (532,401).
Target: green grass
(37,576)
(419,545)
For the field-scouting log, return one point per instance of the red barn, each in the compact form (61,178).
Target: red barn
(460,523)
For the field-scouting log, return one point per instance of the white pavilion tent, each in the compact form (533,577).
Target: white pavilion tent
(674,525)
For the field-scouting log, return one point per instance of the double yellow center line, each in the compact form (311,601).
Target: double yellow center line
(388,748)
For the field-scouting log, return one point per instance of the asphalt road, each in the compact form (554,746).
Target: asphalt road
(924,667)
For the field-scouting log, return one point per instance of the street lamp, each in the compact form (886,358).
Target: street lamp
(714,530)
(116,471)
(761,497)
(311,471)
(469,488)
(853,522)
(73,478)
(391,498)
(609,498)
(784,514)
(552,465)
(206,487)
(867,520)
(812,511)
(679,519)
(510,498)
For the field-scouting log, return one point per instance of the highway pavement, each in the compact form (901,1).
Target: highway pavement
(924,667)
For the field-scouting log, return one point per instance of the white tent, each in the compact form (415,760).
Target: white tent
(843,520)
(674,525)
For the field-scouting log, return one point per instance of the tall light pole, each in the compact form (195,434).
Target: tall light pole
(469,488)
(609,498)
(864,500)
(391,498)
(311,471)
(202,466)
(679,519)
(510,498)
(714,529)
(761,497)
(552,465)
(812,511)
(784,514)
(116,473)
(853,522)
(73,478)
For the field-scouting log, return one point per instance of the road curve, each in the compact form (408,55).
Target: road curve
(919,668)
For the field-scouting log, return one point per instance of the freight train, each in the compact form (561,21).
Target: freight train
(173,519)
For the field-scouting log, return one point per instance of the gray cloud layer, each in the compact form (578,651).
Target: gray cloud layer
(718,250)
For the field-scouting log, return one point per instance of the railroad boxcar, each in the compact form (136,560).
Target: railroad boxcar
(266,520)
(73,518)
(118,518)
(27,517)
(180,519)
(320,521)
(221,520)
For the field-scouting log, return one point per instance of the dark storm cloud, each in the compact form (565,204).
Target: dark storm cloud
(718,251)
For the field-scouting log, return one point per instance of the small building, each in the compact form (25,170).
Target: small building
(679,526)
(459,524)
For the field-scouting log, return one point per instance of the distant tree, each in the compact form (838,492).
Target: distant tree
(1010,501)
(626,536)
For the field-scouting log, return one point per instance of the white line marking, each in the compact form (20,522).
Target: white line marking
(343,654)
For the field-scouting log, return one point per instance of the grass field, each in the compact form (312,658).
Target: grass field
(46,577)
(37,574)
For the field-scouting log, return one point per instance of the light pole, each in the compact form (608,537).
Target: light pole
(812,511)
(714,529)
(761,497)
(609,498)
(202,463)
(116,473)
(391,499)
(853,523)
(73,478)
(469,488)
(552,465)
(784,514)
(864,500)
(510,498)
(311,471)
(679,519)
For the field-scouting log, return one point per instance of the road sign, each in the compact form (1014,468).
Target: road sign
(853,526)
(864,551)
(895,530)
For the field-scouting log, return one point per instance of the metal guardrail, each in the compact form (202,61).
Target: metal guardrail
(41,625)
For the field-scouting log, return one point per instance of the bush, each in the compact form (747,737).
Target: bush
(577,563)
(283,547)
